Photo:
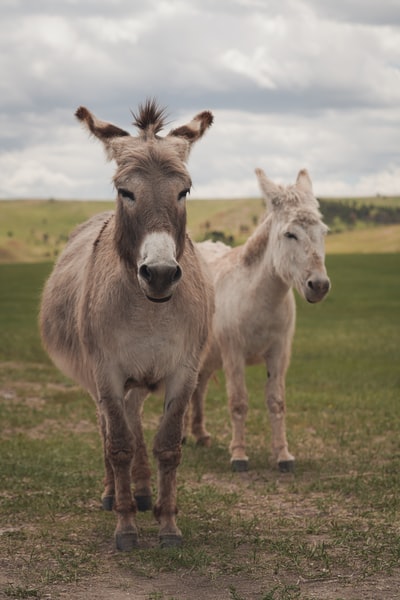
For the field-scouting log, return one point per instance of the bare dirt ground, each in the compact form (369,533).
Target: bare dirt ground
(185,585)
(188,587)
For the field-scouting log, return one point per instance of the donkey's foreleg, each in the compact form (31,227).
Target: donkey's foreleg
(119,452)
(275,400)
(167,450)
(234,368)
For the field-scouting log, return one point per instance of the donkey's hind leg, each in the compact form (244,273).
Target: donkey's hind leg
(234,368)
(277,363)
(140,467)
(199,431)
(108,496)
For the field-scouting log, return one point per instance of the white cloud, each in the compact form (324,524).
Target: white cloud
(292,83)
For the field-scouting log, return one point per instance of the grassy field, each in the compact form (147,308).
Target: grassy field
(36,230)
(328,531)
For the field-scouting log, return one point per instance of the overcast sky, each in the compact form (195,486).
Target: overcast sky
(291,83)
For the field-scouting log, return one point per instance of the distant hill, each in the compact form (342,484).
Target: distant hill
(37,230)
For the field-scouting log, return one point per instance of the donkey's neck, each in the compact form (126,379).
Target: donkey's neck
(257,259)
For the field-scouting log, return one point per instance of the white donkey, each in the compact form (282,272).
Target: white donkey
(255,308)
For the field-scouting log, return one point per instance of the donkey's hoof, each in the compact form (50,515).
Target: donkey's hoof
(170,540)
(126,540)
(240,465)
(143,503)
(204,442)
(107,502)
(286,466)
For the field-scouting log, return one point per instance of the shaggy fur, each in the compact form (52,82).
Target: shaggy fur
(254,319)
(127,309)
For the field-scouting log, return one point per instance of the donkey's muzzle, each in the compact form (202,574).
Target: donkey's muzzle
(159,280)
(317,288)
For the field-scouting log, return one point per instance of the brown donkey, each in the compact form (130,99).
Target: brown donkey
(128,308)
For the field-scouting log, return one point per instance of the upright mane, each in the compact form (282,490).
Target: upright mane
(150,119)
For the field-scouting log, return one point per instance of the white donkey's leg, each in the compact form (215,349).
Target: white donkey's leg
(199,430)
(277,363)
(167,450)
(234,368)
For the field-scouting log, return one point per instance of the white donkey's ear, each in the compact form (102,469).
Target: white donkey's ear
(304,181)
(269,189)
(186,135)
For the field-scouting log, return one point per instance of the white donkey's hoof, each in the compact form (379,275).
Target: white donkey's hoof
(286,466)
(240,465)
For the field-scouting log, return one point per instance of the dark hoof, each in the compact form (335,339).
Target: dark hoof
(170,540)
(204,442)
(126,541)
(286,466)
(143,503)
(240,466)
(107,502)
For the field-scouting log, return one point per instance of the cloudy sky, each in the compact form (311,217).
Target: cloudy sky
(292,84)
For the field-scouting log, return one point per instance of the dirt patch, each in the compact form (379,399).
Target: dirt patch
(189,586)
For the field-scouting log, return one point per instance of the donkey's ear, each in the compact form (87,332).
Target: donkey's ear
(268,188)
(304,181)
(193,131)
(105,132)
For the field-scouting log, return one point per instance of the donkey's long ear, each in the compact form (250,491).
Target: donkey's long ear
(304,181)
(105,132)
(268,188)
(191,132)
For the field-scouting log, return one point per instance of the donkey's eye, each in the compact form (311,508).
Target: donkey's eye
(128,195)
(290,235)
(183,194)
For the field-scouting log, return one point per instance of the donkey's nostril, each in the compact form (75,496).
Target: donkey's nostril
(310,284)
(160,276)
(177,275)
(145,273)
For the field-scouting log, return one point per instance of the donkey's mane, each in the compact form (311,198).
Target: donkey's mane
(150,116)
(254,247)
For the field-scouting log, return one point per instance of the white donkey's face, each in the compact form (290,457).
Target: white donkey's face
(299,257)
(297,236)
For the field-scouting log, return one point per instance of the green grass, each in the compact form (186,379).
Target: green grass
(334,520)
(36,230)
